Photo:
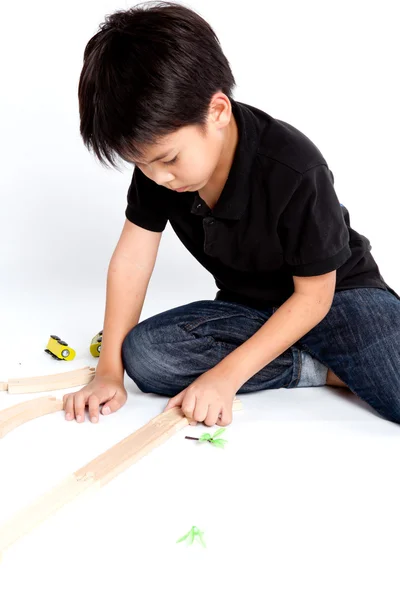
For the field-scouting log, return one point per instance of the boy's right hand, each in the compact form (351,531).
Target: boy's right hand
(101,389)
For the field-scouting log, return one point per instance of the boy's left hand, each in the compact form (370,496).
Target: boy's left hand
(209,398)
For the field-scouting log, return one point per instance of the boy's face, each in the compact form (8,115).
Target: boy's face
(188,157)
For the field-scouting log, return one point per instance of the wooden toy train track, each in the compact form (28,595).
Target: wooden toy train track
(45,383)
(93,475)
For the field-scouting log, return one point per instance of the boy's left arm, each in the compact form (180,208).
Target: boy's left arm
(307,306)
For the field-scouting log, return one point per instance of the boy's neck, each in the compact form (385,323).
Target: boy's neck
(211,192)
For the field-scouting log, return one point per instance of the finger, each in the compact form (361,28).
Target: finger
(79,402)
(225,417)
(93,403)
(68,401)
(175,401)
(188,404)
(116,402)
(201,409)
(212,414)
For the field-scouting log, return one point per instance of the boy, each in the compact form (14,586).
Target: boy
(301,301)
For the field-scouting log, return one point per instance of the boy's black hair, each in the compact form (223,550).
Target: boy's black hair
(148,71)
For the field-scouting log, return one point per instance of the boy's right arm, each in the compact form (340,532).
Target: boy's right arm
(129,273)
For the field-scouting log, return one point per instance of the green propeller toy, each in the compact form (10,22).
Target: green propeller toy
(206,437)
(191,535)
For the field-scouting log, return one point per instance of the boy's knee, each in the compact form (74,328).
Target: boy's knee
(129,345)
(135,356)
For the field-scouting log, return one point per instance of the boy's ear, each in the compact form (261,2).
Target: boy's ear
(220,110)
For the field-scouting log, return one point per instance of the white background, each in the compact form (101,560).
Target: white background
(303,502)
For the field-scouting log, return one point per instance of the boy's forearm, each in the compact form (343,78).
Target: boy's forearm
(126,291)
(293,319)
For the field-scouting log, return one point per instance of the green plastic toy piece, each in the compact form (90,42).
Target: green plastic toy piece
(191,535)
(206,437)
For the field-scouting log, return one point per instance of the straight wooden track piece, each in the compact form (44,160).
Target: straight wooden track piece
(97,473)
(46,383)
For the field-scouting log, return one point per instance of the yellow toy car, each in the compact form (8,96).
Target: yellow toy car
(59,349)
(95,344)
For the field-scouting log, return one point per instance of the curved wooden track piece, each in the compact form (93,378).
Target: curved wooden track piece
(46,383)
(17,415)
(96,473)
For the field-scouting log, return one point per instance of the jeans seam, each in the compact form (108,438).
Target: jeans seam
(296,377)
(190,326)
(186,326)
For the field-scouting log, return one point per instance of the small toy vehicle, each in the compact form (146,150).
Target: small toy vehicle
(95,344)
(59,349)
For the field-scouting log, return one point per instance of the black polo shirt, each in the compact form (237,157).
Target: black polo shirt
(277,216)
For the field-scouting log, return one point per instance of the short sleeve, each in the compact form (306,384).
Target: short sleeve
(312,230)
(147,203)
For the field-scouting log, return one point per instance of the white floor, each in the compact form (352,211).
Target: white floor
(302,503)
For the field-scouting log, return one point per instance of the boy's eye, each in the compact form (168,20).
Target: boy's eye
(171,162)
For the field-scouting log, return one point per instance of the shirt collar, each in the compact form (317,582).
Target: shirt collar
(235,195)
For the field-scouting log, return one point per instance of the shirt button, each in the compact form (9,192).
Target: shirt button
(198,206)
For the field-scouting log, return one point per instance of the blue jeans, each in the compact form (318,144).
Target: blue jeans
(359,340)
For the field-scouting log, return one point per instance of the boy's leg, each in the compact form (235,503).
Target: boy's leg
(167,352)
(359,340)
(332,379)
